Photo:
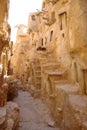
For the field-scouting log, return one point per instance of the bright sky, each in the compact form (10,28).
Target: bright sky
(19,12)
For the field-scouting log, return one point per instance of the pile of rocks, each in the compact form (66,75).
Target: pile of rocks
(7,92)
(9,116)
(2,118)
(12,116)
(9,111)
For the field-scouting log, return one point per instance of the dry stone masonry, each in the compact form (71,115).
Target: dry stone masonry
(9,111)
(49,57)
(52,55)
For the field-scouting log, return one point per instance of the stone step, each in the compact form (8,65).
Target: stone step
(84,125)
(41,58)
(60,93)
(67,89)
(38,78)
(62,81)
(38,73)
(56,75)
(38,67)
(38,84)
(51,64)
(2,115)
(38,81)
(75,113)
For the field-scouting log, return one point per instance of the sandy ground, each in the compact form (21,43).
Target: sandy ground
(34,114)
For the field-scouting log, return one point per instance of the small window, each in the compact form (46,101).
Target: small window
(51,36)
(33,17)
(45,40)
(27,60)
(63,20)
(42,42)
(63,35)
(43,5)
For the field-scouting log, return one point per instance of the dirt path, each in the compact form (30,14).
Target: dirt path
(34,115)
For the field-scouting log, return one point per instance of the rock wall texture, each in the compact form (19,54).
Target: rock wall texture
(51,60)
(4,6)
(5,31)
(9,112)
(4,26)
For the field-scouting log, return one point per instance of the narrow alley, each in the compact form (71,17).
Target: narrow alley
(34,114)
(43,65)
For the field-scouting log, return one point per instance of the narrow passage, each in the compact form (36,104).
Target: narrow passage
(34,114)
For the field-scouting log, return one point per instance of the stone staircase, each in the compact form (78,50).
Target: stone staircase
(67,106)
(37,74)
(36,78)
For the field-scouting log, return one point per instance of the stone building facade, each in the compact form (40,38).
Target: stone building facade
(55,64)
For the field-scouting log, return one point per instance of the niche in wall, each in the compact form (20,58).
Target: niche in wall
(63,20)
(33,17)
(51,35)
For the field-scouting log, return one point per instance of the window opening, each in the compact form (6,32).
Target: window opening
(51,35)
(63,20)
(33,17)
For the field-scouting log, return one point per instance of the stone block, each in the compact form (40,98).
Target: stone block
(84,126)
(2,115)
(75,113)
(12,115)
(62,91)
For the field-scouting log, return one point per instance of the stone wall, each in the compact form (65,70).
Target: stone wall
(4,6)
(55,66)
(57,31)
